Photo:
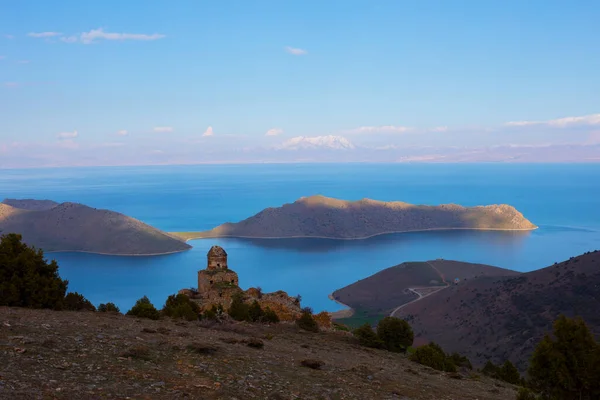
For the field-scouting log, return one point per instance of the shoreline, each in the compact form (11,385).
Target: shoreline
(349,238)
(340,314)
(117,255)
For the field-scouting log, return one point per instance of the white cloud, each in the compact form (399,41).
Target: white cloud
(122,132)
(296,51)
(439,129)
(593,119)
(163,129)
(274,132)
(99,34)
(208,131)
(44,34)
(380,129)
(317,142)
(68,135)
(68,144)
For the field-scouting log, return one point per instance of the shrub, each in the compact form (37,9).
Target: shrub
(509,373)
(108,307)
(367,337)
(239,310)
(255,312)
(307,322)
(526,394)
(567,365)
(433,356)
(143,308)
(180,306)
(396,334)
(76,302)
(270,316)
(26,278)
(490,369)
(461,361)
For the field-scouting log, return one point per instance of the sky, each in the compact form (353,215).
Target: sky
(141,82)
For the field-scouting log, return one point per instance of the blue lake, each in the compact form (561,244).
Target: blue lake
(563,200)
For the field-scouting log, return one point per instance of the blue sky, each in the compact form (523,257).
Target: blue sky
(138,82)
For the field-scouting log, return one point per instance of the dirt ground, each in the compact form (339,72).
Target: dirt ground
(89,355)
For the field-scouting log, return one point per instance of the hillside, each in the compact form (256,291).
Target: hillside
(319,216)
(379,294)
(504,317)
(76,227)
(91,355)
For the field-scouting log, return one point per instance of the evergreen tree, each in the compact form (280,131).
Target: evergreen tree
(76,302)
(239,310)
(396,334)
(367,337)
(567,365)
(108,307)
(180,306)
(26,278)
(143,308)
(307,322)
(255,312)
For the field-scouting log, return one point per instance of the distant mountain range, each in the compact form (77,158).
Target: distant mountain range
(488,313)
(75,227)
(325,217)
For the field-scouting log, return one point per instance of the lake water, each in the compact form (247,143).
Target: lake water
(563,200)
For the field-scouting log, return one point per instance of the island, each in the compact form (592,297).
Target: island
(330,218)
(73,227)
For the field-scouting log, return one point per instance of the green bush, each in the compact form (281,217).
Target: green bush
(567,365)
(239,310)
(143,308)
(490,369)
(255,312)
(367,337)
(76,302)
(433,356)
(461,361)
(526,394)
(108,307)
(179,306)
(396,334)
(270,316)
(509,373)
(307,322)
(26,278)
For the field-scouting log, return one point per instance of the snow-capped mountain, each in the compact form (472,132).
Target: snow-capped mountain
(330,142)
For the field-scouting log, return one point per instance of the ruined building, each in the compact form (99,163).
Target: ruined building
(217,283)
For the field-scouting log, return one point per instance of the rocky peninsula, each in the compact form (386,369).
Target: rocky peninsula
(326,217)
(75,227)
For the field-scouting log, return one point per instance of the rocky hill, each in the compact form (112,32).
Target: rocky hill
(319,216)
(502,318)
(76,227)
(92,355)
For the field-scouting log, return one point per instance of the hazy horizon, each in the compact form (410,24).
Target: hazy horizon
(138,83)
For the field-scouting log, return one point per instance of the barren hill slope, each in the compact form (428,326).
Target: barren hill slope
(320,216)
(92,355)
(379,294)
(504,318)
(76,227)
